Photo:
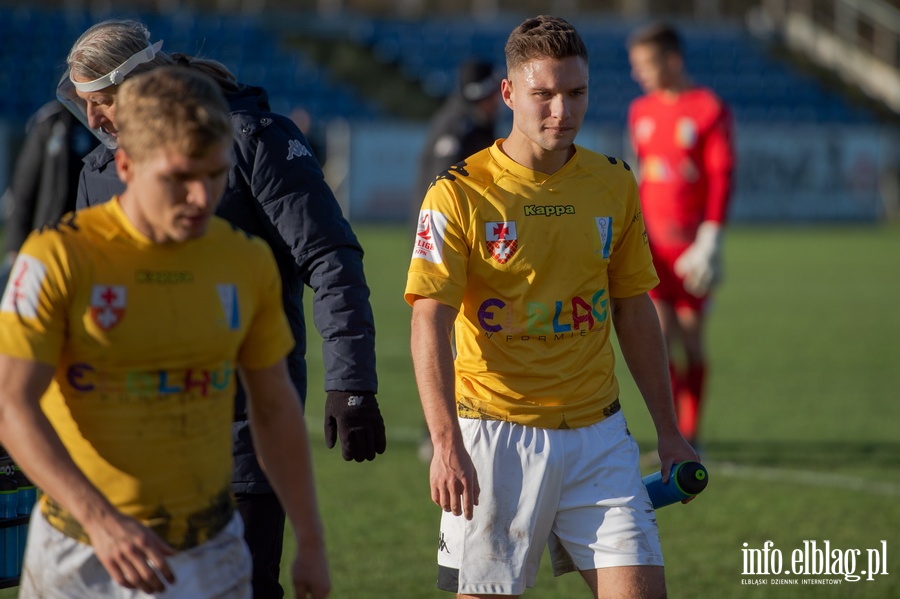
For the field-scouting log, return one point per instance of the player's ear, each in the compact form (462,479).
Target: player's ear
(124,165)
(506,88)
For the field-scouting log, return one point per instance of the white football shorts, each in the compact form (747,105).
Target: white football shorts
(579,490)
(57,566)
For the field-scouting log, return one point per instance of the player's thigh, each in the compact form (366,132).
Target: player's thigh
(691,321)
(500,548)
(627,582)
(610,524)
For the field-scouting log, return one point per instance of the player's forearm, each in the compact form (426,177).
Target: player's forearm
(643,347)
(36,448)
(718,195)
(282,444)
(432,356)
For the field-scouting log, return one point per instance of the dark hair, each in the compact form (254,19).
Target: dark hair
(660,34)
(212,68)
(543,37)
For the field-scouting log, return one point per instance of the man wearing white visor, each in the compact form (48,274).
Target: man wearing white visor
(90,100)
(276,191)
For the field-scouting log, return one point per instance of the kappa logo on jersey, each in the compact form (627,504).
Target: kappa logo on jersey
(107,305)
(228,296)
(502,241)
(604,227)
(24,287)
(297,149)
(430,236)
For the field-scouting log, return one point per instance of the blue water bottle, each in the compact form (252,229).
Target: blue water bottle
(686,479)
(9,537)
(26,496)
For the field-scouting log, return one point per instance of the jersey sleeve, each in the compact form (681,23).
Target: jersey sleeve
(441,249)
(631,270)
(34,307)
(269,337)
(718,158)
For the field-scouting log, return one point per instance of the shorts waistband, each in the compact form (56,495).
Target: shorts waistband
(201,526)
(464,411)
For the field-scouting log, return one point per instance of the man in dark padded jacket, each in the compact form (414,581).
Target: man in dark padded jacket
(276,190)
(46,173)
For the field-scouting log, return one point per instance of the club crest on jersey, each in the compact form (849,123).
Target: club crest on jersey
(604,228)
(107,305)
(686,133)
(228,296)
(502,241)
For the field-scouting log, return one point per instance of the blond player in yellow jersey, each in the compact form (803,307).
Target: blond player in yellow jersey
(530,253)
(122,330)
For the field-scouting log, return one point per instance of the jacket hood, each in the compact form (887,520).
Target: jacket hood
(248,97)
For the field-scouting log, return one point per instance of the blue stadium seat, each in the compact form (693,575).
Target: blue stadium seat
(35,43)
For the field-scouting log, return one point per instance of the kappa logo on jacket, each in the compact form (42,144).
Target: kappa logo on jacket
(297,150)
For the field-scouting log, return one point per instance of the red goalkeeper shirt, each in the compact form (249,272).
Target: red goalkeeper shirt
(685,156)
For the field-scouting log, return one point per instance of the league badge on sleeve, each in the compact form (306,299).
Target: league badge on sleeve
(24,287)
(107,305)
(502,241)
(430,236)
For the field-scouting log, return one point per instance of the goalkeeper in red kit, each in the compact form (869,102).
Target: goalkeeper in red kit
(682,135)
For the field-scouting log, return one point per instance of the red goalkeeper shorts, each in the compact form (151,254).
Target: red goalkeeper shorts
(671,287)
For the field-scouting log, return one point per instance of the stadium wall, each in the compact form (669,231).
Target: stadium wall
(800,174)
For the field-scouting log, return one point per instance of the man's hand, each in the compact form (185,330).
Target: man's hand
(454,481)
(133,554)
(309,571)
(354,417)
(701,264)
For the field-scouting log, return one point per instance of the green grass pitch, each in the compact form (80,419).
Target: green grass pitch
(800,428)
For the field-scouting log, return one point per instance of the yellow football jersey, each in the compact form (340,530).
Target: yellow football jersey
(531,260)
(146,339)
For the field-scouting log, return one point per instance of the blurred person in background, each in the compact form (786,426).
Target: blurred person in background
(529,257)
(465,124)
(45,176)
(312,131)
(276,191)
(116,389)
(682,136)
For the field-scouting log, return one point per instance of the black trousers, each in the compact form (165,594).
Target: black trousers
(264,533)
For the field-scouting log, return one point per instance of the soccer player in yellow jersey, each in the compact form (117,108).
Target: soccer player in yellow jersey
(122,330)
(530,252)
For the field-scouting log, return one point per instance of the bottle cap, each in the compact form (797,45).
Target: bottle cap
(691,477)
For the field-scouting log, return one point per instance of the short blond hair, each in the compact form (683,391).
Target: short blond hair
(174,108)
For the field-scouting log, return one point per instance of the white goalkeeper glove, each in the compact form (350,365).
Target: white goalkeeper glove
(701,264)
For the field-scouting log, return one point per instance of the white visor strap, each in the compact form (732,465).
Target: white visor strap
(117,75)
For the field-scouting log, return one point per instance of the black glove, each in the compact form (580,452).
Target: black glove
(355,415)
